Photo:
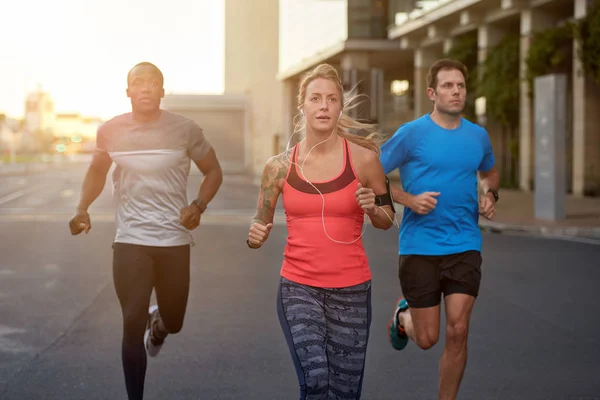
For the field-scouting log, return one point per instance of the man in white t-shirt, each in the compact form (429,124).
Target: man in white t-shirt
(152,150)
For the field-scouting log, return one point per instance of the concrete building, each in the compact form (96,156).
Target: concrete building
(75,125)
(392,64)
(224,121)
(245,123)
(39,113)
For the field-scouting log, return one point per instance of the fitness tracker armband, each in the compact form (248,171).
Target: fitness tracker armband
(385,199)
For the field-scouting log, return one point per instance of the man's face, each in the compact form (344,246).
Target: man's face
(145,89)
(450,93)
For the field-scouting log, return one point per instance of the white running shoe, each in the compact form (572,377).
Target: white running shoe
(153,346)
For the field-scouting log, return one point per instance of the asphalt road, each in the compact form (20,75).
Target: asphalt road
(534,333)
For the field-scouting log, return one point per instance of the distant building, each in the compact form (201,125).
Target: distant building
(39,113)
(75,125)
(7,136)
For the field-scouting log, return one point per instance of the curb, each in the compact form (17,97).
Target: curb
(582,233)
(575,232)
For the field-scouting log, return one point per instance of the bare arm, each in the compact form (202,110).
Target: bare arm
(487,202)
(93,184)
(270,187)
(400,196)
(213,177)
(94,180)
(489,180)
(271,184)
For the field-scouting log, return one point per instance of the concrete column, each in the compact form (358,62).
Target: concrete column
(531,22)
(487,37)
(550,134)
(578,111)
(448,43)
(252,73)
(423,60)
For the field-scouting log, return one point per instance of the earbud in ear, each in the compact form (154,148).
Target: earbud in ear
(301,111)
(341,112)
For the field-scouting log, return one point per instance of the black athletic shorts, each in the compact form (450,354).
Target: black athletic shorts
(425,278)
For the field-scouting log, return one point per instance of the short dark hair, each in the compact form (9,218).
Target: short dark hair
(149,64)
(444,64)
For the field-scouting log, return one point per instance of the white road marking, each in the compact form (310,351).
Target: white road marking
(35,201)
(6,272)
(52,268)
(67,193)
(21,193)
(12,196)
(50,284)
(8,345)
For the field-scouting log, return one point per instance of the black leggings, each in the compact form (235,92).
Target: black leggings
(136,271)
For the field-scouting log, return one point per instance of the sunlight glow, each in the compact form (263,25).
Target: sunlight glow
(80,51)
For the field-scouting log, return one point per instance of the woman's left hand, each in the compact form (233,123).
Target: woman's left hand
(365,197)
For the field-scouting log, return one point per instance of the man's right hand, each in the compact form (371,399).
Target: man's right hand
(424,203)
(80,222)
(259,232)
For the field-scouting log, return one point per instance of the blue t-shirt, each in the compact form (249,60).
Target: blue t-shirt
(433,159)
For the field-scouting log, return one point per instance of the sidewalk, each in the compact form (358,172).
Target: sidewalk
(515,213)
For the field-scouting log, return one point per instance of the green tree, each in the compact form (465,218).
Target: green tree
(550,51)
(499,83)
(588,36)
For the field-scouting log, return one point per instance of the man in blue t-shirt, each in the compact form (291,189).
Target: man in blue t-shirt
(439,156)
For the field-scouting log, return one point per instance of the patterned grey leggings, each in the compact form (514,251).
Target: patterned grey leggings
(327,331)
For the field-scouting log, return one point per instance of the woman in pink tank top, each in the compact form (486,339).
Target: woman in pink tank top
(328,181)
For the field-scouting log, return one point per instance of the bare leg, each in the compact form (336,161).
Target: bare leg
(454,357)
(422,325)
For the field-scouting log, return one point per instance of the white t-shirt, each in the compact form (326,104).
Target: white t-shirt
(150,179)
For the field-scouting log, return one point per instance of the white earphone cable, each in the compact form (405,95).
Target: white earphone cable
(301,168)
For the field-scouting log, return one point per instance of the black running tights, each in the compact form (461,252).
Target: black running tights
(136,271)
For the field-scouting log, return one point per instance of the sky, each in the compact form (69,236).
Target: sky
(80,51)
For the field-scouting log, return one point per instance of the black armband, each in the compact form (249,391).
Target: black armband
(385,199)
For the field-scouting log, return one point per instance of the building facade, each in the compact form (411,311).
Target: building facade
(245,124)
(387,46)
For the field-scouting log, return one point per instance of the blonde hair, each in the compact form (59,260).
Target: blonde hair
(348,100)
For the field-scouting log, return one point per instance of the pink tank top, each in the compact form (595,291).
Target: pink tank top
(310,257)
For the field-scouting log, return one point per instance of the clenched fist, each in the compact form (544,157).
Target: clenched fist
(80,222)
(190,217)
(423,203)
(365,197)
(259,232)
(487,206)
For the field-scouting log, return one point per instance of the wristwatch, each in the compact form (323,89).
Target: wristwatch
(494,193)
(200,204)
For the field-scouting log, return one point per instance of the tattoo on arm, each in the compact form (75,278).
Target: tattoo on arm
(270,187)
